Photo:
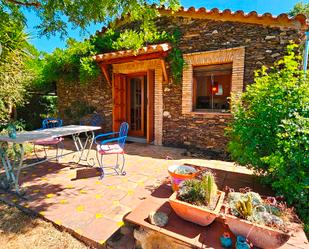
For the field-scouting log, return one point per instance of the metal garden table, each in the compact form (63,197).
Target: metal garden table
(13,167)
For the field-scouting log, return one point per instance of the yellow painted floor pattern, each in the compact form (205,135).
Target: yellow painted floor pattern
(92,208)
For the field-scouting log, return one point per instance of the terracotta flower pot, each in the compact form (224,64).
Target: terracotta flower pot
(260,236)
(199,215)
(176,179)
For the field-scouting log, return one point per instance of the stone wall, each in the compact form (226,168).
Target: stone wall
(97,94)
(198,130)
(263,46)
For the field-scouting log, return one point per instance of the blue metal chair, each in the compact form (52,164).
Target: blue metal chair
(53,141)
(112,146)
(94,120)
(51,123)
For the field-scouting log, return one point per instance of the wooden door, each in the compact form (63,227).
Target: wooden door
(119,100)
(136,105)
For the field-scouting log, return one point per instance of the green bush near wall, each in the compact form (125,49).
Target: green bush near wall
(270,131)
(38,107)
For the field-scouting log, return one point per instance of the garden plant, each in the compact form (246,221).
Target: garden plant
(266,222)
(270,130)
(198,200)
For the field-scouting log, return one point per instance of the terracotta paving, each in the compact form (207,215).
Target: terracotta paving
(93,209)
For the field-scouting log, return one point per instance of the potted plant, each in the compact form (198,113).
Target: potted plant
(198,200)
(263,222)
(180,173)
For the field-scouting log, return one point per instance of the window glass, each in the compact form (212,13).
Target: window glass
(212,87)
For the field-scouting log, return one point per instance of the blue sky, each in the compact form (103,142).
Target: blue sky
(261,6)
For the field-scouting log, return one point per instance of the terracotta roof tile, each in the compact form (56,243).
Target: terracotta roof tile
(164,47)
(282,20)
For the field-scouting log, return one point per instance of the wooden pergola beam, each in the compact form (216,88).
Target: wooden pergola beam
(165,76)
(104,68)
(156,55)
(125,59)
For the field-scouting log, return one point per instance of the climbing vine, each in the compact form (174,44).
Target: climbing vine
(131,39)
(75,63)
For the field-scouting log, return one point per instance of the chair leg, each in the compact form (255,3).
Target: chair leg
(100,161)
(36,155)
(59,146)
(122,168)
(117,166)
(45,152)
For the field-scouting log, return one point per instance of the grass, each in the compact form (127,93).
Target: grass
(19,230)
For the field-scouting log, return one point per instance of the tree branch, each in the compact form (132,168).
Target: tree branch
(27,4)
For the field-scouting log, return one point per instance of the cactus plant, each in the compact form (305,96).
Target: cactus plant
(191,191)
(244,207)
(198,200)
(251,207)
(210,187)
(266,224)
(201,192)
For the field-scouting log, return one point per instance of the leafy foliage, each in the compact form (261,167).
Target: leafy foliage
(57,16)
(17,52)
(75,63)
(72,63)
(175,57)
(300,8)
(37,108)
(270,129)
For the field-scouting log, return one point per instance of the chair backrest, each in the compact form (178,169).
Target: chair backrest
(123,132)
(94,120)
(51,123)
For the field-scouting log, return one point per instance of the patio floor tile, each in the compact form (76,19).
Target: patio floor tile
(94,208)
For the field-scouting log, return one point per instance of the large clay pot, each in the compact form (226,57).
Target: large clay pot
(176,179)
(260,236)
(199,215)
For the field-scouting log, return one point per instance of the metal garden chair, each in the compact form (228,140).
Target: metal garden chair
(112,146)
(94,120)
(52,141)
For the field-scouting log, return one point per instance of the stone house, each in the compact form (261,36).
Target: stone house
(221,50)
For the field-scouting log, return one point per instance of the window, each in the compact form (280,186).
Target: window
(212,87)
(231,57)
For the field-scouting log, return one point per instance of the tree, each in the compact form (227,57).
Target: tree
(16,52)
(56,14)
(20,63)
(300,8)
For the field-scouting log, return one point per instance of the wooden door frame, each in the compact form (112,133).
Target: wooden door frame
(150,74)
(141,76)
(118,95)
(150,105)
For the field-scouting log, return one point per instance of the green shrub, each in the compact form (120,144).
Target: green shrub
(270,130)
(37,108)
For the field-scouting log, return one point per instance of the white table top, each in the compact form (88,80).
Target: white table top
(31,136)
